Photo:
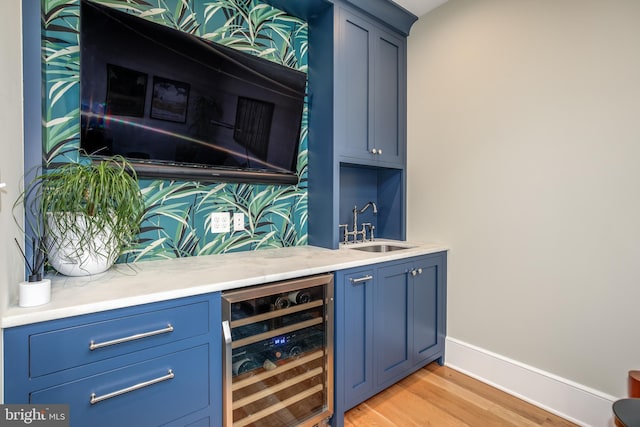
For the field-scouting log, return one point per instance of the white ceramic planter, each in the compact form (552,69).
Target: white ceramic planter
(74,256)
(34,293)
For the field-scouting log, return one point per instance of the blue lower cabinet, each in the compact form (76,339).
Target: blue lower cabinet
(149,365)
(150,393)
(390,322)
(60,349)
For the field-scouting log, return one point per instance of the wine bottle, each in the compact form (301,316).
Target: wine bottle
(280,302)
(243,365)
(300,297)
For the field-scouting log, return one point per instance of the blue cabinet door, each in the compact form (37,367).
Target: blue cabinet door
(392,326)
(354,337)
(353,86)
(389,99)
(428,308)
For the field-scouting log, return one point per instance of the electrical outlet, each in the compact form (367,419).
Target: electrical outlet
(238,221)
(220,222)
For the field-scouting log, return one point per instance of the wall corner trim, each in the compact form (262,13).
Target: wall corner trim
(575,402)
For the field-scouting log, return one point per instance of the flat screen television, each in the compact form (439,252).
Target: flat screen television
(181,107)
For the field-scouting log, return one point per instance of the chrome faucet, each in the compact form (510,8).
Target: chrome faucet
(373,205)
(355,232)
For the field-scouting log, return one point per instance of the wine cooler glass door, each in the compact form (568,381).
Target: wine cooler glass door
(278,353)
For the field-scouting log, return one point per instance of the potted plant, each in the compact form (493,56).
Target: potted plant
(89,213)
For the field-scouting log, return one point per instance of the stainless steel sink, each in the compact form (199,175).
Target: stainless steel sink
(382,247)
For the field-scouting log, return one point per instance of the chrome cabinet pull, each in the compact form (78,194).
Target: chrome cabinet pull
(94,345)
(95,399)
(360,279)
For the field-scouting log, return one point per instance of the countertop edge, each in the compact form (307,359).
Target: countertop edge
(67,299)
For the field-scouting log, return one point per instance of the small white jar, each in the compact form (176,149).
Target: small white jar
(34,293)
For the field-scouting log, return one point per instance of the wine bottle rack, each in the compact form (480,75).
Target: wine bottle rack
(278,355)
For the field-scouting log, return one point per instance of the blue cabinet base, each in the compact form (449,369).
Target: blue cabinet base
(390,322)
(148,365)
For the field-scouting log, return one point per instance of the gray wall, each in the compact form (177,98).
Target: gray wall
(524,144)
(11,266)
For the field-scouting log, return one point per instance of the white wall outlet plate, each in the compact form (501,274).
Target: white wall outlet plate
(220,222)
(238,221)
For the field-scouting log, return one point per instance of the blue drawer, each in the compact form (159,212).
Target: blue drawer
(64,348)
(153,404)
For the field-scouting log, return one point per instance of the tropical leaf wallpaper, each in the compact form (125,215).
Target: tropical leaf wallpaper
(176,221)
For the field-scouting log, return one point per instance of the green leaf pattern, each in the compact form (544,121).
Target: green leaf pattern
(176,222)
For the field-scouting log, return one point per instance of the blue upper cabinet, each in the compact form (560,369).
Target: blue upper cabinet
(357,116)
(371,92)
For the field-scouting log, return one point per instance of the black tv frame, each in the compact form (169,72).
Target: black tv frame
(204,173)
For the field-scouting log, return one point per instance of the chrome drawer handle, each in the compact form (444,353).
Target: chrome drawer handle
(361,279)
(95,399)
(94,345)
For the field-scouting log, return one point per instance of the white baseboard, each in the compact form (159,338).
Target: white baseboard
(575,402)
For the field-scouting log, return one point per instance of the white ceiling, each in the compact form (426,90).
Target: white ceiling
(419,7)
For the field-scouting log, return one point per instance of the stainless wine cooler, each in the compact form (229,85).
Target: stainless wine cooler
(278,358)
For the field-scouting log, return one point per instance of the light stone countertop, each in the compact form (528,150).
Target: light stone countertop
(126,285)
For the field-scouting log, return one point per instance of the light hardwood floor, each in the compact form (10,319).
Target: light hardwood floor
(440,396)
